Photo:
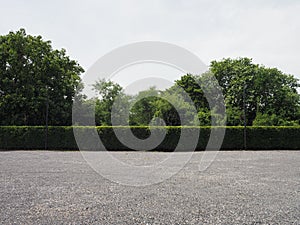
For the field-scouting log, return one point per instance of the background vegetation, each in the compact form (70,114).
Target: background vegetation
(36,79)
(39,84)
(62,138)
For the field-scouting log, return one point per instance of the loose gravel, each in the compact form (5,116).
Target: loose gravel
(240,187)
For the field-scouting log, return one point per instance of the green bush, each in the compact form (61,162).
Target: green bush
(272,120)
(280,137)
(62,138)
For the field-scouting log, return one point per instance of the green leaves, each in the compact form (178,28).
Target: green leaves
(268,91)
(30,72)
(32,75)
(108,92)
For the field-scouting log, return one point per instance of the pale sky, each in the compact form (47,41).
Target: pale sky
(265,30)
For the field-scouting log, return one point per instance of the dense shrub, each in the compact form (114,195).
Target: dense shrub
(62,138)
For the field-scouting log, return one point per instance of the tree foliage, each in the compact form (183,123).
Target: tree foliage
(270,98)
(108,91)
(33,75)
(268,91)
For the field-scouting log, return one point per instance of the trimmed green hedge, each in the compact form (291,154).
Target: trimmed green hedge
(62,138)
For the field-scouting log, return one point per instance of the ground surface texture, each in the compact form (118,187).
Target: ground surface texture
(245,187)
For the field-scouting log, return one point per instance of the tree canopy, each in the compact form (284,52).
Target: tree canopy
(267,92)
(32,75)
(35,79)
(269,96)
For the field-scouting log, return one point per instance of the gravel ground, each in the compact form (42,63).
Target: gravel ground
(39,187)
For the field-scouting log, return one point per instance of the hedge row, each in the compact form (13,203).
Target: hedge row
(62,138)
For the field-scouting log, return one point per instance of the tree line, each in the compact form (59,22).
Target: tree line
(36,80)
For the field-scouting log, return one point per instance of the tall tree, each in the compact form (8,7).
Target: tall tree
(144,107)
(197,91)
(266,90)
(32,76)
(108,92)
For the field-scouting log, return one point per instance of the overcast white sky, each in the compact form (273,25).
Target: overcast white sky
(267,31)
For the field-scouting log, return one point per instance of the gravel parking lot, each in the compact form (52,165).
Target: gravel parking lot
(246,187)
